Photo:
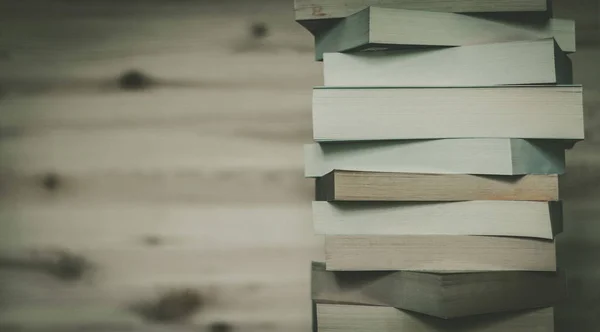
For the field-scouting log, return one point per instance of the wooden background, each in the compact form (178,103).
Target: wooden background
(181,205)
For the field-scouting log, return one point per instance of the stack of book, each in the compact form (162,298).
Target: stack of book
(440,135)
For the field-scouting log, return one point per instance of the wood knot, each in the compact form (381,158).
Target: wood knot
(133,80)
(68,267)
(152,240)
(221,327)
(259,30)
(171,307)
(61,264)
(51,181)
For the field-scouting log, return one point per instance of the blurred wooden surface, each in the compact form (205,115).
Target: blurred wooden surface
(110,197)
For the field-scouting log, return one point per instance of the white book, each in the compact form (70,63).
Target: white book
(442,156)
(523,62)
(362,114)
(377,28)
(330,9)
(495,218)
(349,318)
(438,253)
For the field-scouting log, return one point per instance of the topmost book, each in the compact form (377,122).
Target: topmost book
(307,10)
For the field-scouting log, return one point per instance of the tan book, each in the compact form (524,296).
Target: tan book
(379,186)
(367,114)
(349,318)
(311,10)
(378,29)
(444,295)
(438,253)
(486,218)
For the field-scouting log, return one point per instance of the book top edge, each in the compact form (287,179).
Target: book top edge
(446,87)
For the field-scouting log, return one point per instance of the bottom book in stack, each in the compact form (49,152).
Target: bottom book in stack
(339,317)
(405,301)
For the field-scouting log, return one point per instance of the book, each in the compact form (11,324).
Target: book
(442,156)
(310,10)
(492,218)
(522,62)
(348,318)
(444,295)
(438,253)
(379,186)
(360,114)
(377,28)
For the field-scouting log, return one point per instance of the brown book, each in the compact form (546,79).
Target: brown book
(373,186)
(352,318)
(438,253)
(444,295)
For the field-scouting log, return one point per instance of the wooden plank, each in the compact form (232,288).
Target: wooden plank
(176,225)
(145,150)
(246,287)
(115,321)
(213,109)
(33,290)
(170,266)
(131,188)
(111,319)
(98,31)
(123,277)
(187,71)
(111,8)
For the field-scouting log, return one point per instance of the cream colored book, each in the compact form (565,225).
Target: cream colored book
(380,186)
(444,295)
(348,318)
(438,253)
(535,112)
(442,156)
(310,10)
(523,62)
(377,28)
(493,218)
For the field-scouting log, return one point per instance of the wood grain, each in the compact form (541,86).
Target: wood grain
(223,108)
(177,187)
(131,182)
